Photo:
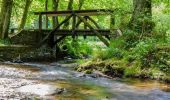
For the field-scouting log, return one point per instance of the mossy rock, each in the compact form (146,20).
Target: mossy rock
(79,69)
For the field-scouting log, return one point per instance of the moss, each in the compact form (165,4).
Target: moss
(132,72)
(122,68)
(88,71)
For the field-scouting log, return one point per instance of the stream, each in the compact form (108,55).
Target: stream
(59,81)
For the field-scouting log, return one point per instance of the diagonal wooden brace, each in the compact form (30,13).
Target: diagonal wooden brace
(96,32)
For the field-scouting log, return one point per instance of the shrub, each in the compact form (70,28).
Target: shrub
(78,48)
(143,51)
(108,54)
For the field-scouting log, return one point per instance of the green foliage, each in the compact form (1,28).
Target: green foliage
(143,49)
(88,71)
(131,38)
(147,53)
(133,71)
(4,42)
(108,54)
(78,48)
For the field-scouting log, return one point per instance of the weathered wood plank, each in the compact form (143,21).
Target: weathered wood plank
(94,12)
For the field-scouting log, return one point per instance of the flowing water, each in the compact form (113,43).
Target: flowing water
(54,81)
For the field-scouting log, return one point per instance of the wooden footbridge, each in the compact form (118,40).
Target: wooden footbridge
(81,24)
(78,19)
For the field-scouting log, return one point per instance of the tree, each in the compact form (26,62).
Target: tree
(25,13)
(81,2)
(55,8)
(5,17)
(69,7)
(142,16)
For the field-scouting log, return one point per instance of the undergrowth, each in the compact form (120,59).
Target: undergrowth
(132,55)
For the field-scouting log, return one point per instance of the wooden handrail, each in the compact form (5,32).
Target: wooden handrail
(79,12)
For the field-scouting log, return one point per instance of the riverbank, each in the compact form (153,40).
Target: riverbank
(122,69)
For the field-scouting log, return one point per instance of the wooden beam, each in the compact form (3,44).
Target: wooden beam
(74,26)
(93,12)
(58,40)
(94,22)
(85,27)
(78,23)
(96,32)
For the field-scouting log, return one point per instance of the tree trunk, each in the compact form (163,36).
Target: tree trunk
(69,7)
(142,16)
(81,2)
(25,13)
(5,17)
(55,8)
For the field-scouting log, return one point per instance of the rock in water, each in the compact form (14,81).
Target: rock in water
(60,91)
(41,89)
(17,60)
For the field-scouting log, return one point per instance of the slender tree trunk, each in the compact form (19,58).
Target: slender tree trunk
(81,2)
(55,8)
(5,17)
(25,13)
(142,16)
(69,7)
(2,16)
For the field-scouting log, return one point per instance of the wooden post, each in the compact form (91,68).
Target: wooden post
(39,34)
(46,9)
(85,26)
(112,22)
(51,40)
(40,22)
(74,26)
